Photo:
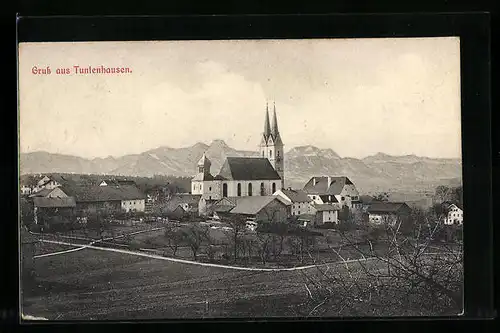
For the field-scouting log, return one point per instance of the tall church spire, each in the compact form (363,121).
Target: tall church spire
(267,127)
(274,131)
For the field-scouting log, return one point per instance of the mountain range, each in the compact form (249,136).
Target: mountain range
(379,172)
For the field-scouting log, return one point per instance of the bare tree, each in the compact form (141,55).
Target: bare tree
(235,234)
(404,273)
(195,236)
(174,238)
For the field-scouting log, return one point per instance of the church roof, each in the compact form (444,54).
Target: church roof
(204,161)
(322,187)
(248,168)
(274,130)
(203,176)
(267,126)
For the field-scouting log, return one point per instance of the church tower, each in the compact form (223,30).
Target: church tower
(271,145)
(203,174)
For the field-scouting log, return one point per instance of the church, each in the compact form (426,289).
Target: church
(245,176)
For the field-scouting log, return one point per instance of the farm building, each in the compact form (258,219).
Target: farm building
(56,192)
(388,213)
(259,208)
(188,202)
(53,210)
(299,201)
(126,198)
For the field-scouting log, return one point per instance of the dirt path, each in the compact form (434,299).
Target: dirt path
(153,256)
(80,247)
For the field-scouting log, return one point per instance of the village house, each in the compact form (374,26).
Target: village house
(333,190)
(46,183)
(189,203)
(299,201)
(265,209)
(388,213)
(325,213)
(454,214)
(26,190)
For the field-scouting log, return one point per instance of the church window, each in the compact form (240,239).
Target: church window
(271,152)
(262,190)
(224,190)
(210,188)
(274,188)
(239,189)
(262,153)
(249,189)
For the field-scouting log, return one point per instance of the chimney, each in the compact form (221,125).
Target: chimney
(329,182)
(314,181)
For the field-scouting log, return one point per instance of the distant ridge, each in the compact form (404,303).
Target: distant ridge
(376,172)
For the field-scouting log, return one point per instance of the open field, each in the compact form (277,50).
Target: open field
(96,284)
(101,285)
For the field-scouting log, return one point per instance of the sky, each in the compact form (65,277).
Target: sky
(358,97)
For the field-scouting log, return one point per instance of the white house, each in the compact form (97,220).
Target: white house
(325,213)
(454,215)
(47,183)
(298,200)
(327,189)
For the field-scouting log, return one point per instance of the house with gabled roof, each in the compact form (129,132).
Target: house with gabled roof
(328,189)
(127,198)
(388,213)
(325,213)
(265,209)
(299,201)
(56,192)
(454,214)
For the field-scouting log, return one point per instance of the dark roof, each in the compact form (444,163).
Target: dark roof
(325,207)
(180,199)
(115,181)
(248,168)
(42,193)
(203,176)
(193,199)
(104,193)
(296,195)
(54,202)
(387,207)
(365,199)
(329,198)
(322,187)
(252,205)
(447,205)
(307,217)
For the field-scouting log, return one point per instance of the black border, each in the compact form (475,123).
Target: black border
(472,28)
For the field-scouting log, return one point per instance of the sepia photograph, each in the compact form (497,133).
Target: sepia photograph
(261,178)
